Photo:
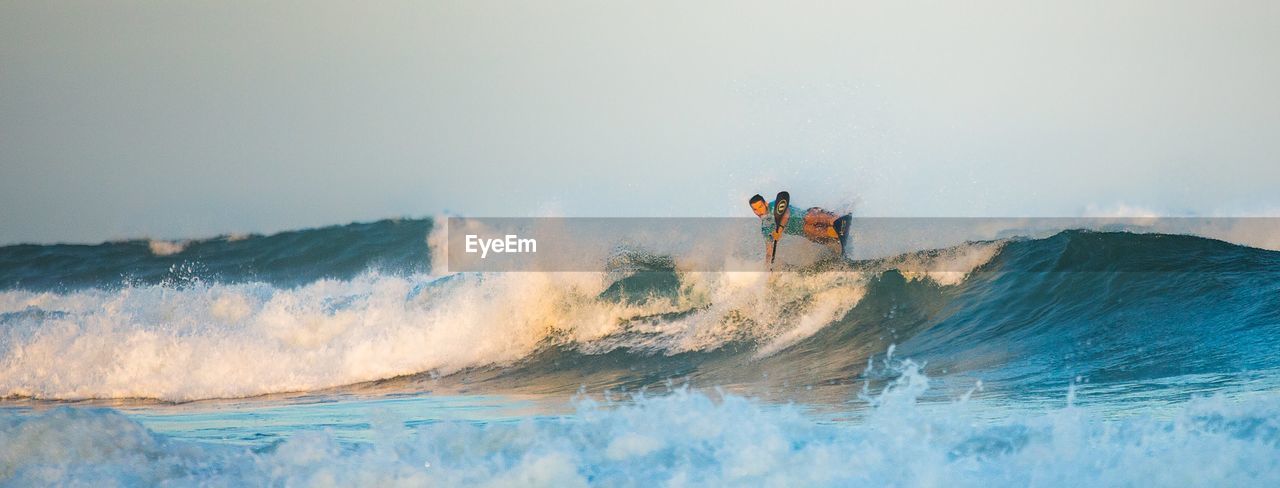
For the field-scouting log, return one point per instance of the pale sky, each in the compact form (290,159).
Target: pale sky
(187,119)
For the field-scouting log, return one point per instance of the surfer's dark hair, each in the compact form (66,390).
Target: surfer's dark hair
(755,199)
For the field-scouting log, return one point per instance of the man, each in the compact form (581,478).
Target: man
(816,224)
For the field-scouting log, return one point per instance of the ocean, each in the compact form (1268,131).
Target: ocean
(341,356)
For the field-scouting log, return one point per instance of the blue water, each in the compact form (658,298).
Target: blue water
(335,357)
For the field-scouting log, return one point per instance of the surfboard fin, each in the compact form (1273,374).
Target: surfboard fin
(841,226)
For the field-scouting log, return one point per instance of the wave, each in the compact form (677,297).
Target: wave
(1031,314)
(285,259)
(231,340)
(688,437)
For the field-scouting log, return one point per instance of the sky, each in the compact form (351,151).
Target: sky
(123,119)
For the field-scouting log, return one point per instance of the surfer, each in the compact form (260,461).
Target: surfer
(816,224)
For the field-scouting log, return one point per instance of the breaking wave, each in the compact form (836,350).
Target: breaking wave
(356,307)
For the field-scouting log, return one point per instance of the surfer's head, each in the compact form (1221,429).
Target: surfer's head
(758,205)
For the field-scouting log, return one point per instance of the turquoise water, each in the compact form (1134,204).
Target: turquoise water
(346,419)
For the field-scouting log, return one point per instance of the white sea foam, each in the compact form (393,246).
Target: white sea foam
(233,340)
(947,267)
(166,248)
(686,439)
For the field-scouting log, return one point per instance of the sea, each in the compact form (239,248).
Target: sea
(343,356)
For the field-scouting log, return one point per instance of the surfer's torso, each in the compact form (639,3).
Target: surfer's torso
(794,225)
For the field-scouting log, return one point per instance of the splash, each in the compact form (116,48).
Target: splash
(166,248)
(688,438)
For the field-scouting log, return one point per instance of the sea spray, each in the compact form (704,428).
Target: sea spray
(687,437)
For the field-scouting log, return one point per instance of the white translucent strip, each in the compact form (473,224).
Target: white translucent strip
(738,244)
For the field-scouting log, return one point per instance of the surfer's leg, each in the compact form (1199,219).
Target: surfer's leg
(818,224)
(818,229)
